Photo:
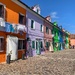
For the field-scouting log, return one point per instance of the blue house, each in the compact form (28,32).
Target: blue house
(60,40)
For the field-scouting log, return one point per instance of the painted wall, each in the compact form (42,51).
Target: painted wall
(55,39)
(47,37)
(67,41)
(72,42)
(60,40)
(33,34)
(12,11)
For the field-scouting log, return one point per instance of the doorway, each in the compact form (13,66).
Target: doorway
(12,47)
(38,51)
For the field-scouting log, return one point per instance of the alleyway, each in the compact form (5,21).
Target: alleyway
(58,63)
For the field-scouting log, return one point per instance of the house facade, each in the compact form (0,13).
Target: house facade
(34,32)
(12,30)
(60,39)
(72,40)
(67,40)
(48,34)
(55,31)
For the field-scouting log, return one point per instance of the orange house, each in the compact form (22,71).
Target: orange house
(72,40)
(10,42)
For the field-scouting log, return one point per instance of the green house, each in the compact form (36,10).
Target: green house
(55,31)
(67,41)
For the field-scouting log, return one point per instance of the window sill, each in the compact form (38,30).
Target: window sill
(33,48)
(41,31)
(20,24)
(32,29)
(2,51)
(20,49)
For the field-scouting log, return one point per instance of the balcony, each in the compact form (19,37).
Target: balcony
(13,28)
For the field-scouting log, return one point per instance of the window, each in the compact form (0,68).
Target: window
(21,44)
(2,11)
(32,24)
(21,19)
(47,30)
(33,44)
(41,28)
(41,44)
(47,44)
(1,44)
(37,11)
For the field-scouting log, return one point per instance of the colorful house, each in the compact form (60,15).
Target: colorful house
(60,39)
(34,31)
(55,31)
(47,34)
(12,30)
(72,40)
(67,40)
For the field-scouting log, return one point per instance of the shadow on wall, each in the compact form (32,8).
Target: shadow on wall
(5,15)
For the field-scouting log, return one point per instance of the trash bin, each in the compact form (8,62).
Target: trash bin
(23,56)
(8,59)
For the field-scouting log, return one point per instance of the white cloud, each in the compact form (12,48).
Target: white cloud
(54,15)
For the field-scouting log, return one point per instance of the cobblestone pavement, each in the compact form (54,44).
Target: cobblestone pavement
(57,63)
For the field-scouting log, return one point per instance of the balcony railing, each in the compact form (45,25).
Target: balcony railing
(14,28)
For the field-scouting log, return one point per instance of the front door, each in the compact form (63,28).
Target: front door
(37,47)
(12,47)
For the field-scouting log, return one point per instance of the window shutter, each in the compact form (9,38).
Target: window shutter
(34,24)
(42,28)
(33,44)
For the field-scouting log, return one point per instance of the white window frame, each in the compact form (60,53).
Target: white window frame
(22,43)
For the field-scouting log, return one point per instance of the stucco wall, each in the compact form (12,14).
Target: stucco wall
(12,11)
(33,34)
(72,42)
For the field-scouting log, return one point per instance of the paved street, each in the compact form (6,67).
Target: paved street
(57,63)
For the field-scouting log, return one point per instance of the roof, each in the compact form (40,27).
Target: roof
(39,15)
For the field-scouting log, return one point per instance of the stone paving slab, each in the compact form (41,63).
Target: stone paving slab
(57,63)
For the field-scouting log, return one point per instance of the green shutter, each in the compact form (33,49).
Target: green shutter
(33,44)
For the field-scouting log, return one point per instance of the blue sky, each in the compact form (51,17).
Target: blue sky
(61,11)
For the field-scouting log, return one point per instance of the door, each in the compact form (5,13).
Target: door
(38,47)
(12,47)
